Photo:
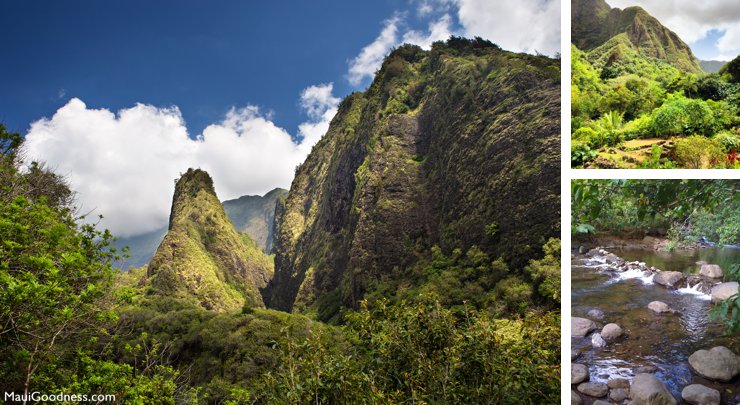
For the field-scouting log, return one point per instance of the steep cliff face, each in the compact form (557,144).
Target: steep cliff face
(254,215)
(595,24)
(202,257)
(455,147)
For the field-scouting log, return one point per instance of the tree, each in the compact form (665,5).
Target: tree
(52,270)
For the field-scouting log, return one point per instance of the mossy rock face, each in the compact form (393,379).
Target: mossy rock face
(203,258)
(595,25)
(442,144)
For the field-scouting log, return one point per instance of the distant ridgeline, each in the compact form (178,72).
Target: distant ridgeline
(611,37)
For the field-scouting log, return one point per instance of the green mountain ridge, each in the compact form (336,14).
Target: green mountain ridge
(251,214)
(457,147)
(595,23)
(203,258)
(711,66)
(255,216)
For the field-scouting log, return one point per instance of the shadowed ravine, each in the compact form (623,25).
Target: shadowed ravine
(664,341)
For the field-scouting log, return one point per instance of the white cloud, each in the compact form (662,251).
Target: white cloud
(124,165)
(371,56)
(515,25)
(317,99)
(369,60)
(729,44)
(439,30)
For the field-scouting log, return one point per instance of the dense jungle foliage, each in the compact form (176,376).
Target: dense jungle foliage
(683,210)
(461,323)
(643,113)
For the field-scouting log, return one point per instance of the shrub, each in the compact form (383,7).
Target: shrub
(581,153)
(682,116)
(698,152)
(728,140)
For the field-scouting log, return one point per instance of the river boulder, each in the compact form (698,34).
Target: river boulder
(718,363)
(619,394)
(611,331)
(647,389)
(724,291)
(593,389)
(618,383)
(660,307)
(596,313)
(597,341)
(668,278)
(711,271)
(578,373)
(698,394)
(580,327)
(575,399)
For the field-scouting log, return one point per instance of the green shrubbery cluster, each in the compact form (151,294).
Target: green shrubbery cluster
(423,352)
(654,101)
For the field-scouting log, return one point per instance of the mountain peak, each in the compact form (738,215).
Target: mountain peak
(594,23)
(203,257)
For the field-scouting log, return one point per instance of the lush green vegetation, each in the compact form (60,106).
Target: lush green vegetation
(683,210)
(447,163)
(406,299)
(633,111)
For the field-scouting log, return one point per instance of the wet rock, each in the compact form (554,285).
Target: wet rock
(593,252)
(711,271)
(619,394)
(645,369)
(580,327)
(582,249)
(698,394)
(593,389)
(611,331)
(597,340)
(647,389)
(668,278)
(600,402)
(660,307)
(578,373)
(618,383)
(718,363)
(724,291)
(596,313)
(575,399)
(650,240)
(574,354)
(614,259)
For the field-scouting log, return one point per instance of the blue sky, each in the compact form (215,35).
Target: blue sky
(122,97)
(202,59)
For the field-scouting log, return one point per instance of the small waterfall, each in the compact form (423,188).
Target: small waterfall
(694,291)
(642,275)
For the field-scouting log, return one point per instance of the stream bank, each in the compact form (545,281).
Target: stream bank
(616,285)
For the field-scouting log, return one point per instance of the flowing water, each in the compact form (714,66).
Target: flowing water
(665,341)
